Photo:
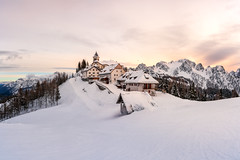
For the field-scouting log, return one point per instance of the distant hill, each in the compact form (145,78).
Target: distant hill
(10,88)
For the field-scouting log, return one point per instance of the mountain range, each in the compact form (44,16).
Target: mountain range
(209,77)
(10,88)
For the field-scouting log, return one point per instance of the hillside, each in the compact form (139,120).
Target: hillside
(87,125)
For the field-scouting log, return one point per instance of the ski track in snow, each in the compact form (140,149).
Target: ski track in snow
(87,125)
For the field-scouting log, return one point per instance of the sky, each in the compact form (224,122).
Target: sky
(43,36)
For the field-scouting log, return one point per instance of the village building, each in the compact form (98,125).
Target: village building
(121,80)
(138,81)
(135,101)
(124,108)
(111,73)
(96,62)
(105,72)
(91,73)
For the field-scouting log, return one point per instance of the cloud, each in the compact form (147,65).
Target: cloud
(80,40)
(67,68)
(221,54)
(128,64)
(206,46)
(220,46)
(134,34)
(12,55)
(7,67)
(176,35)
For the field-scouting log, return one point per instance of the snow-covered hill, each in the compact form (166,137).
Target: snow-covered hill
(87,125)
(210,77)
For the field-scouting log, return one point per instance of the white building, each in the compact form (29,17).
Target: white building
(138,81)
(91,72)
(96,62)
(111,73)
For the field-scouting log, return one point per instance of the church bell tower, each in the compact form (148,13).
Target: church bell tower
(96,57)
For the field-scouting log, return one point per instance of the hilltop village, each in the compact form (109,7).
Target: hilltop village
(117,74)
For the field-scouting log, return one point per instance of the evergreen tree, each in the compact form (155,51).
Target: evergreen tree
(79,66)
(234,93)
(57,97)
(84,64)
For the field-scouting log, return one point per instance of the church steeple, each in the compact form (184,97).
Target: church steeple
(96,57)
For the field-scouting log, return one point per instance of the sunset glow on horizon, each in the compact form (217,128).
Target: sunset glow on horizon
(53,35)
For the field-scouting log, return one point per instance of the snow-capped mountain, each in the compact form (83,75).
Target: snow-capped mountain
(8,88)
(210,77)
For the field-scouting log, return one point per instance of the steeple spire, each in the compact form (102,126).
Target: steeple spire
(96,57)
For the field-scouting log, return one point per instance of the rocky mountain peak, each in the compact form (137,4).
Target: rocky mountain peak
(237,73)
(199,67)
(141,66)
(162,65)
(186,67)
(187,61)
(219,69)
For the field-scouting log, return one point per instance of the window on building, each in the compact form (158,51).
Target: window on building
(147,86)
(89,72)
(93,73)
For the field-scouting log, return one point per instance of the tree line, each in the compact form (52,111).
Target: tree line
(42,95)
(186,89)
(82,65)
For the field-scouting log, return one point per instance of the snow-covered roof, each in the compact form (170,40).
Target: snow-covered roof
(89,67)
(136,101)
(108,69)
(125,76)
(140,77)
(96,61)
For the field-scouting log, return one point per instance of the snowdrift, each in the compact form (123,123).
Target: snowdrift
(87,125)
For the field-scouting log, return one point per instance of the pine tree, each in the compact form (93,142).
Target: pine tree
(84,64)
(221,93)
(26,96)
(57,97)
(234,93)
(79,66)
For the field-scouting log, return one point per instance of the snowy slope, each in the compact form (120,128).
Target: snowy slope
(87,125)
(210,77)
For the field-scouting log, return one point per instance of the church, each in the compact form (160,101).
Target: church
(103,72)
(96,62)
